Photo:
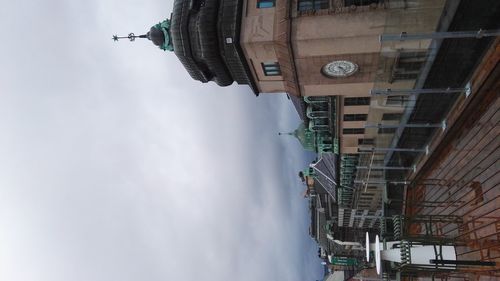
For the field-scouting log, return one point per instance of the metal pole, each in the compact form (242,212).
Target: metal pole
(381,182)
(369,171)
(408,92)
(371,217)
(403,36)
(426,125)
(384,149)
(385,168)
(463,262)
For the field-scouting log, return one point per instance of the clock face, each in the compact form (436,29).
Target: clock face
(340,68)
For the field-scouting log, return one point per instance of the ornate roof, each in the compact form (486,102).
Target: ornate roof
(326,175)
(205,37)
(159,34)
(305,137)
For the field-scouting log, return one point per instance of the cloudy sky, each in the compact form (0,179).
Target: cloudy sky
(116,165)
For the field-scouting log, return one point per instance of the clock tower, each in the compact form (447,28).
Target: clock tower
(300,47)
(333,48)
(326,49)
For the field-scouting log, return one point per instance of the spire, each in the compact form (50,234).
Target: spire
(159,34)
(305,137)
(131,36)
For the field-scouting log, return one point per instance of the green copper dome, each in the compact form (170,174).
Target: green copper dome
(305,137)
(159,34)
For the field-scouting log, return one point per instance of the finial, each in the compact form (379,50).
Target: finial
(131,36)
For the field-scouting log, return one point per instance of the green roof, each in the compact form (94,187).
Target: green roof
(305,137)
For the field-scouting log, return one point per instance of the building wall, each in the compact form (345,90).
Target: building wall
(318,37)
(309,69)
(338,34)
(257,33)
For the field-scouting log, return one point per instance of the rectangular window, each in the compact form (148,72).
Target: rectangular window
(348,3)
(311,5)
(387,130)
(396,100)
(353,131)
(392,116)
(366,141)
(355,117)
(357,101)
(408,65)
(271,68)
(266,3)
